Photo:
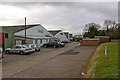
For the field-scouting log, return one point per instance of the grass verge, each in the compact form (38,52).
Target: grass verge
(102,66)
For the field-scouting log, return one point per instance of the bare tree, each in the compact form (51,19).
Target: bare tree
(87,26)
(91,30)
(110,24)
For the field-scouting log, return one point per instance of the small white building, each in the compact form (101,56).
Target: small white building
(67,35)
(59,34)
(35,34)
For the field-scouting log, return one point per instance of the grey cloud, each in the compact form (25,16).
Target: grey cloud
(70,16)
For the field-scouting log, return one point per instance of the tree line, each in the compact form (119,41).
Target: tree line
(110,28)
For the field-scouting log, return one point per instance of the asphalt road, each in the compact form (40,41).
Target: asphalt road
(49,63)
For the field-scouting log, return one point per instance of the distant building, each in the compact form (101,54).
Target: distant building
(71,36)
(67,35)
(77,37)
(58,34)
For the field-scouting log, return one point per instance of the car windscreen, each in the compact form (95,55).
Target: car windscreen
(14,47)
(27,45)
(32,46)
(24,46)
(17,47)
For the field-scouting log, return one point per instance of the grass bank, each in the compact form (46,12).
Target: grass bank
(102,66)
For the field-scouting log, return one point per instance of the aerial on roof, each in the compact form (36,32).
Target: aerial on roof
(54,32)
(17,28)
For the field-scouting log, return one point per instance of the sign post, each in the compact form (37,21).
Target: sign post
(106,50)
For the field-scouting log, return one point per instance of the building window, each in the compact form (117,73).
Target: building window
(61,33)
(6,35)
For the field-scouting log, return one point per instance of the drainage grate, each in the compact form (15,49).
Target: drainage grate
(70,52)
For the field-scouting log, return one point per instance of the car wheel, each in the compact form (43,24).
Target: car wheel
(7,52)
(39,50)
(36,50)
(56,46)
(45,46)
(21,53)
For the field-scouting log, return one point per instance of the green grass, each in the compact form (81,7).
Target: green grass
(107,66)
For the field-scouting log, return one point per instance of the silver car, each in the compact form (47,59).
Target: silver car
(20,49)
(35,46)
(31,49)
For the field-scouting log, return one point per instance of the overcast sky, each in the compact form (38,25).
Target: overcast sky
(68,16)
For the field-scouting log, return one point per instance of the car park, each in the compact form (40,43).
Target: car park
(19,49)
(54,44)
(35,46)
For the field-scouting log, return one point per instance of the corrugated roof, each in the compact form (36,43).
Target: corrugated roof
(34,37)
(17,28)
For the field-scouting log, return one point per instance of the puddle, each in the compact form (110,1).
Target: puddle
(70,52)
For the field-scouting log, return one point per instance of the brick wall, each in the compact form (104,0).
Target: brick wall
(104,40)
(89,42)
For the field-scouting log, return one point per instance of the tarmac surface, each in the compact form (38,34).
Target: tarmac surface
(63,62)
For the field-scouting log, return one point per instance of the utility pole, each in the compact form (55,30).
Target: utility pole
(25,30)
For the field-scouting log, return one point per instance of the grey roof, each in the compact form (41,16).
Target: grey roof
(54,32)
(101,37)
(90,39)
(18,28)
(33,37)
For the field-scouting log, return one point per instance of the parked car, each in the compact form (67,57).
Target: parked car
(20,49)
(35,46)
(54,44)
(32,49)
(66,41)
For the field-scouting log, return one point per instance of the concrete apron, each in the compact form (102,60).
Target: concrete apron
(18,66)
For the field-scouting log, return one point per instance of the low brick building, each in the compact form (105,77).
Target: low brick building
(103,39)
(90,42)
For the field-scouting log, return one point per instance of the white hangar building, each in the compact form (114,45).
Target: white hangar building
(58,34)
(35,34)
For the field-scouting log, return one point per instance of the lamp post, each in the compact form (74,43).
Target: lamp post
(25,30)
